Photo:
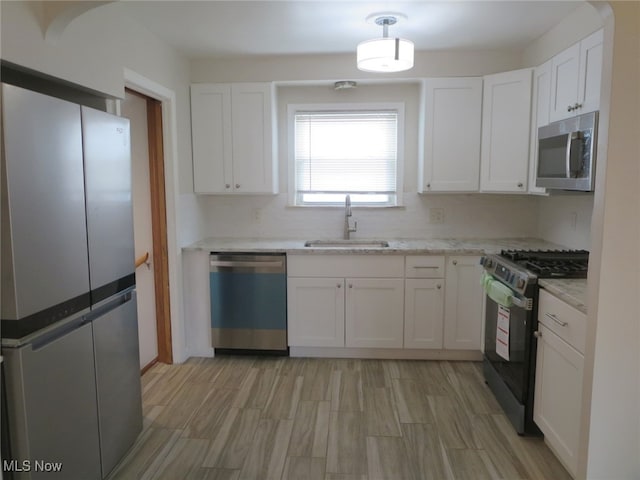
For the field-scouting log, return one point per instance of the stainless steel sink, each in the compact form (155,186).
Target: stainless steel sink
(347,243)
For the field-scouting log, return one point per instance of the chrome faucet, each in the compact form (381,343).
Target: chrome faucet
(347,219)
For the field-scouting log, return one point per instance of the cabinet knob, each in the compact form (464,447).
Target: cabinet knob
(569,108)
(438,286)
(455,262)
(237,185)
(537,334)
(339,285)
(227,186)
(350,285)
(520,185)
(428,185)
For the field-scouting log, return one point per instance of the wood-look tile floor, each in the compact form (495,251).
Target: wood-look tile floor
(265,418)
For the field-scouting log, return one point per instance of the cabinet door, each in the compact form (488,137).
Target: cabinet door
(558,396)
(450,161)
(539,117)
(424,306)
(374,312)
(464,310)
(590,74)
(565,68)
(506,118)
(211,138)
(315,312)
(252,121)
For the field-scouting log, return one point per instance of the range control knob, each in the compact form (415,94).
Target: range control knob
(520,283)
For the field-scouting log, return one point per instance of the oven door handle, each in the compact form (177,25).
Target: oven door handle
(526,303)
(503,295)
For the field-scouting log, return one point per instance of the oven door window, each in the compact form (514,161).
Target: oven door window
(514,371)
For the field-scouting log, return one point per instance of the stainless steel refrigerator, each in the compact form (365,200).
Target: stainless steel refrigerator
(69,323)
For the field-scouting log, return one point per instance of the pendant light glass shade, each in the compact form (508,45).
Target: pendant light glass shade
(385,55)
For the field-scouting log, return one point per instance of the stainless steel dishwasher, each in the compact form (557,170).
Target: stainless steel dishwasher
(248,302)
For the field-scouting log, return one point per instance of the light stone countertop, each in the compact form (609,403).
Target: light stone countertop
(433,246)
(572,291)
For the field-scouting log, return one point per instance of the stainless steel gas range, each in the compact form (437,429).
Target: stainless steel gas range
(511,284)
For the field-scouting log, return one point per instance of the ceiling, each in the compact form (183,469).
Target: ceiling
(239,27)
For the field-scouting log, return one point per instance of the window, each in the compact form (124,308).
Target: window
(339,150)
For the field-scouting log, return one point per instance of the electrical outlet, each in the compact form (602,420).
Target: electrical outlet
(573,220)
(436,215)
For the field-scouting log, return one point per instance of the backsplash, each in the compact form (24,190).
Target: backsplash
(566,219)
(465,216)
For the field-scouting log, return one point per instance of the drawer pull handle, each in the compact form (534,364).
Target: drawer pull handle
(425,266)
(555,319)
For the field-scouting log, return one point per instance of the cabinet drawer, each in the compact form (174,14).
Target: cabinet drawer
(357,266)
(424,266)
(562,319)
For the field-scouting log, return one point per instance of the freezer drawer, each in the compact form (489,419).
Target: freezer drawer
(115,340)
(51,401)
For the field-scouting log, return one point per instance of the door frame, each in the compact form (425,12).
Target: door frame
(153,109)
(162,119)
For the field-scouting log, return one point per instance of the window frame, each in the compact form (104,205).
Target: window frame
(293,109)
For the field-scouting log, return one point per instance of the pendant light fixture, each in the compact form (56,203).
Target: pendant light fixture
(385,54)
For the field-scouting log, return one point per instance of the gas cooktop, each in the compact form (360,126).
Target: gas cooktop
(521,269)
(551,263)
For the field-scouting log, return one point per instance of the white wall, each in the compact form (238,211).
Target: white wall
(343,67)
(566,219)
(612,396)
(93,51)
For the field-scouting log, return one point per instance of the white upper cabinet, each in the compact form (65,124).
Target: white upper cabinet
(450,142)
(233,138)
(539,117)
(506,121)
(576,75)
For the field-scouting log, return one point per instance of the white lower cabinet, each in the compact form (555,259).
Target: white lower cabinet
(385,301)
(374,312)
(423,309)
(463,307)
(558,396)
(316,311)
(559,376)
(345,300)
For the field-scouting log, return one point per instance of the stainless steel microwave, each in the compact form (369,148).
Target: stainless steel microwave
(567,153)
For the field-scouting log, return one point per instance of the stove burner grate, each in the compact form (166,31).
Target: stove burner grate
(551,263)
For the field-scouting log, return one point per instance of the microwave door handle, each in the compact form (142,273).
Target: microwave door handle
(568,155)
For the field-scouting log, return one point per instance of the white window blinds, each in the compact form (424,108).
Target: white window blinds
(346,152)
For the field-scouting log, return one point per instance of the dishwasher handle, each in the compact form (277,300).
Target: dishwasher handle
(245,264)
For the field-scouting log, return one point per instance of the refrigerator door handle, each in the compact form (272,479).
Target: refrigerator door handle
(110,304)
(41,341)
